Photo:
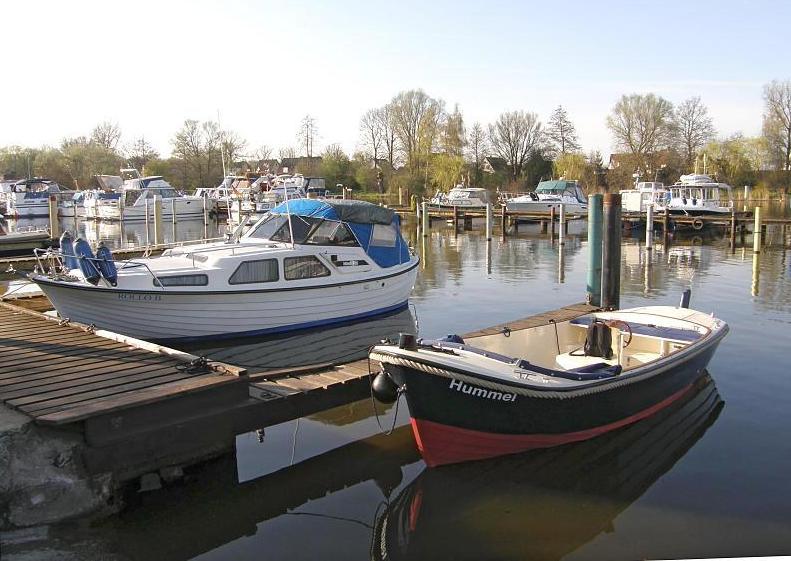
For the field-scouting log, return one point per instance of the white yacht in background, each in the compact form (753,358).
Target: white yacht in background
(644,194)
(140,194)
(307,263)
(29,198)
(698,194)
(551,194)
(461,196)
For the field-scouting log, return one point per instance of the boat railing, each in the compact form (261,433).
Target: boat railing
(50,262)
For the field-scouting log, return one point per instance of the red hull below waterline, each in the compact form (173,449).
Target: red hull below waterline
(444,444)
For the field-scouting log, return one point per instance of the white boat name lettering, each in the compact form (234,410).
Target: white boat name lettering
(140,297)
(475,391)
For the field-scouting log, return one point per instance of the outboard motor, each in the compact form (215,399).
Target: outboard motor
(67,250)
(106,265)
(86,260)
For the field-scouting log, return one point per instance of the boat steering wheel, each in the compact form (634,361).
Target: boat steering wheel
(620,323)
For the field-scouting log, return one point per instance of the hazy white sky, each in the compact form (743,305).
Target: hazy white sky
(67,65)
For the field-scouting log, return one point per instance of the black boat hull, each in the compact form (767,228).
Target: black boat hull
(455,420)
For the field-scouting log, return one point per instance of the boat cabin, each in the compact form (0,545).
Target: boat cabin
(560,189)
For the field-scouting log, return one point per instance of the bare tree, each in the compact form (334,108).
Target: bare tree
(140,152)
(514,136)
(477,147)
(777,120)
(106,135)
(188,147)
(233,147)
(385,117)
(416,117)
(307,134)
(641,124)
(371,134)
(694,128)
(561,133)
(454,134)
(287,152)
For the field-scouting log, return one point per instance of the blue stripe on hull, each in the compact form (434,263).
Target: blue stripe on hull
(286,328)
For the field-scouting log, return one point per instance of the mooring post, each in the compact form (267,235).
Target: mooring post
(649,227)
(425,217)
(757,231)
(159,234)
(746,197)
(489,220)
(205,217)
(562,225)
(611,252)
(504,222)
(594,248)
(148,221)
(54,225)
(173,217)
(733,229)
(552,222)
(455,219)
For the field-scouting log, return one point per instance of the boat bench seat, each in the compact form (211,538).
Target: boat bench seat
(569,361)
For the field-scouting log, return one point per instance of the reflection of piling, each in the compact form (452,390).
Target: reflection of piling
(562,225)
(594,248)
(757,231)
(455,219)
(159,234)
(426,219)
(561,264)
(756,273)
(489,221)
(733,230)
(54,225)
(611,252)
(649,227)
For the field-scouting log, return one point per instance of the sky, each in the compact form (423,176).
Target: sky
(261,66)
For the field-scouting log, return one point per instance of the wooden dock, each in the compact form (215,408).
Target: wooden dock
(140,406)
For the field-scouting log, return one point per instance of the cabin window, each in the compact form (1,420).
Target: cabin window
(261,270)
(332,233)
(182,280)
(307,267)
(297,232)
(383,235)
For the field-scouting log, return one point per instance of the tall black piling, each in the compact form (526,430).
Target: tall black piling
(611,252)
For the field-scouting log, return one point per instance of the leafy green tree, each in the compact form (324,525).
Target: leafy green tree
(570,166)
(445,170)
(416,118)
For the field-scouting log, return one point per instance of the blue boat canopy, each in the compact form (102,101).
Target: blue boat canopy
(377,229)
(345,211)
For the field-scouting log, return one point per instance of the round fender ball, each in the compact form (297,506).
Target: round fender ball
(384,388)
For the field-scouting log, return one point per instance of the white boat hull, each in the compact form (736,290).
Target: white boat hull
(166,314)
(185,208)
(544,207)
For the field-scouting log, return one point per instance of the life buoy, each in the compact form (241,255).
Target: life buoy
(697,224)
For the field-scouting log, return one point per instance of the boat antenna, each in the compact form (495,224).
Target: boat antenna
(222,146)
(288,213)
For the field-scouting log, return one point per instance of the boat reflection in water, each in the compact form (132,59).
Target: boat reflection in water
(543,504)
(334,344)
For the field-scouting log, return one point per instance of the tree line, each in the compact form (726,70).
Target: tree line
(416,142)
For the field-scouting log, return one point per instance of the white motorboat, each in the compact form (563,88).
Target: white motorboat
(644,194)
(29,198)
(22,240)
(551,194)
(460,196)
(305,264)
(698,194)
(139,195)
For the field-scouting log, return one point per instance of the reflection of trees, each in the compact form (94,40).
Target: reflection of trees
(774,288)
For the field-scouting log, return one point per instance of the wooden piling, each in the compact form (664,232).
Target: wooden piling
(611,252)
(489,220)
(649,227)
(205,217)
(757,231)
(173,217)
(594,249)
(148,221)
(733,230)
(562,225)
(425,217)
(54,224)
(159,233)
(552,222)
(504,220)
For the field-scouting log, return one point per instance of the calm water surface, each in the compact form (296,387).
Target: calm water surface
(706,478)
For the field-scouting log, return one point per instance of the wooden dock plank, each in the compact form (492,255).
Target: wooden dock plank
(66,366)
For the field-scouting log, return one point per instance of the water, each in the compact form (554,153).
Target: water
(707,478)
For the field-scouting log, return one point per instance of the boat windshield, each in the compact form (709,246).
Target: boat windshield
(306,230)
